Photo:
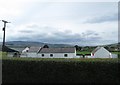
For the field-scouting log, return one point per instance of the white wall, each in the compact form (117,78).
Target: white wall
(102,53)
(12,54)
(23,54)
(29,55)
(57,55)
(47,55)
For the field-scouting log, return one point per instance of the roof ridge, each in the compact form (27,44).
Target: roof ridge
(96,49)
(56,50)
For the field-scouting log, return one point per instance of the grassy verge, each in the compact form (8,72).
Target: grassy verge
(61,59)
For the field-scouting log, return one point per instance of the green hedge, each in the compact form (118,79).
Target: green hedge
(119,56)
(19,71)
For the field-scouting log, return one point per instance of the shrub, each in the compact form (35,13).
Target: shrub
(83,71)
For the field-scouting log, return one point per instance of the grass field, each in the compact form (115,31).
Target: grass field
(86,52)
(116,53)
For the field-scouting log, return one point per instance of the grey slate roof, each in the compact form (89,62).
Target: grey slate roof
(19,49)
(7,49)
(57,50)
(96,49)
(34,49)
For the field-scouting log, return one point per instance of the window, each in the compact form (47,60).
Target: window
(42,55)
(51,55)
(65,55)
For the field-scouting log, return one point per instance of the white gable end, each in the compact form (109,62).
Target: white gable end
(102,53)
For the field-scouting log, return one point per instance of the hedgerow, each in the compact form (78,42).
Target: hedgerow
(55,71)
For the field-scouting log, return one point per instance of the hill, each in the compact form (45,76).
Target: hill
(112,45)
(31,43)
(23,44)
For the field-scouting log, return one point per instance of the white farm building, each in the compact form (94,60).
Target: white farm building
(30,51)
(100,52)
(57,53)
(67,52)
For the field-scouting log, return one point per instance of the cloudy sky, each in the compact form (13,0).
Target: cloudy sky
(60,22)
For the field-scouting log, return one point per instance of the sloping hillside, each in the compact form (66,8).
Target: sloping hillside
(30,43)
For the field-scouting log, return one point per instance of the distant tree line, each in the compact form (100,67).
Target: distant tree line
(85,48)
(112,48)
(91,48)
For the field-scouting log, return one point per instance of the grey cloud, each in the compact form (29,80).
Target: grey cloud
(94,38)
(26,31)
(108,18)
(0,37)
(35,29)
(61,37)
(39,26)
(57,37)
(32,26)
(96,34)
(90,33)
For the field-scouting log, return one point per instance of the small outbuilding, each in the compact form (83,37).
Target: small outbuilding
(10,52)
(30,51)
(100,52)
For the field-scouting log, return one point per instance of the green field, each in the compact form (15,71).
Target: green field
(87,52)
(116,53)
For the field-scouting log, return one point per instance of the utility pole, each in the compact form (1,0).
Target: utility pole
(4,33)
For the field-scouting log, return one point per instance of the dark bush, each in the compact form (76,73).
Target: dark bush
(16,71)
